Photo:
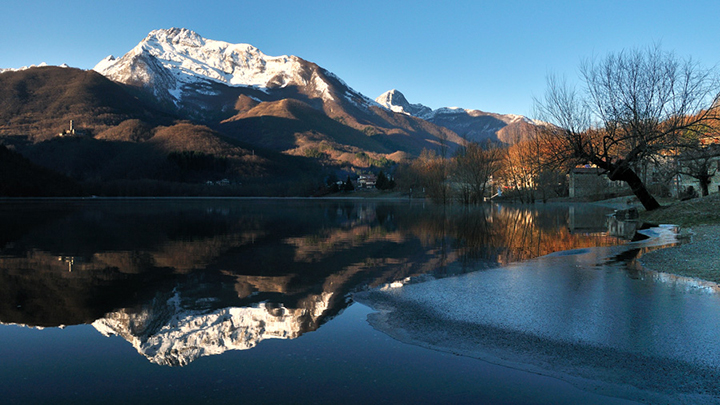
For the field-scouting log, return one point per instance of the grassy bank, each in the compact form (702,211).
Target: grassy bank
(696,257)
(690,213)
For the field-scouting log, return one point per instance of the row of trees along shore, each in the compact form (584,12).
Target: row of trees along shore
(477,171)
(631,109)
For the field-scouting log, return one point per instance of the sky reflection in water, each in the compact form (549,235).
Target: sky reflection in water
(181,280)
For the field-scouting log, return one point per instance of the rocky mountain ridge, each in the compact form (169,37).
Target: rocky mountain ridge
(177,62)
(180,109)
(216,81)
(472,125)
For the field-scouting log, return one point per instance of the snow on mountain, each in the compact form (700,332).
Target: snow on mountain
(473,125)
(193,57)
(105,64)
(166,333)
(43,64)
(462,112)
(396,101)
(171,60)
(207,80)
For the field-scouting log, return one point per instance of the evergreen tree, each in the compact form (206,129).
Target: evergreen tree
(382,181)
(332,179)
(348,186)
(331,182)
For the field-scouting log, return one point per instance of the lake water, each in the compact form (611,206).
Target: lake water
(255,301)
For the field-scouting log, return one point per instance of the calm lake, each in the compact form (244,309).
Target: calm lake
(343,301)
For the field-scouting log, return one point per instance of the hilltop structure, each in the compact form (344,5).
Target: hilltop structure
(72,131)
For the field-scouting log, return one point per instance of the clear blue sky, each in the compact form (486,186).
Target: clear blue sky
(488,55)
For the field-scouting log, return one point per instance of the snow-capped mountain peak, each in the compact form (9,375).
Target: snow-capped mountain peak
(396,101)
(472,125)
(232,64)
(170,59)
(43,64)
(105,63)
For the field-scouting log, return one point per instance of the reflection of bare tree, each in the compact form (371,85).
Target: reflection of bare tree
(505,234)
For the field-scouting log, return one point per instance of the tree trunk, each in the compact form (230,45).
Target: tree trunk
(643,195)
(638,188)
(626,174)
(704,183)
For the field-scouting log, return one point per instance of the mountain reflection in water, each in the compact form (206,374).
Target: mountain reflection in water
(181,279)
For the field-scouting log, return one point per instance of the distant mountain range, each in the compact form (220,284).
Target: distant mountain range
(232,86)
(471,125)
(264,117)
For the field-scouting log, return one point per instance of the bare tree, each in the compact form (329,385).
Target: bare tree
(529,172)
(474,167)
(635,105)
(520,170)
(700,163)
(426,173)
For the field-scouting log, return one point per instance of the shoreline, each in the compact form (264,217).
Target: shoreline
(697,258)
